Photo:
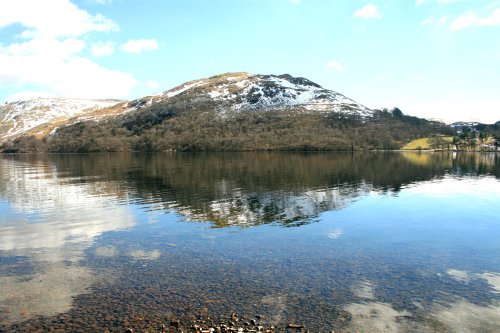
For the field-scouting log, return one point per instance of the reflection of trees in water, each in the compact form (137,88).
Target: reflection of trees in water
(258,188)
(477,164)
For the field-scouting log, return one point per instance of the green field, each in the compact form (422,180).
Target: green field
(423,143)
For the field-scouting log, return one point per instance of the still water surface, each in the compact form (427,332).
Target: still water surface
(368,242)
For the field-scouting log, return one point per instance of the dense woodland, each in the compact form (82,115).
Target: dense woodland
(181,127)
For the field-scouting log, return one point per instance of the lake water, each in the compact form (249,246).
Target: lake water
(364,242)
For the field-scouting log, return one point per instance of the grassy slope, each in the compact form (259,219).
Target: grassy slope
(423,143)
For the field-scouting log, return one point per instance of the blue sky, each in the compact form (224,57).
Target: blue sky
(431,58)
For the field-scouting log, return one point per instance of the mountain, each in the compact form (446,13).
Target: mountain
(41,115)
(231,92)
(244,91)
(462,126)
(232,111)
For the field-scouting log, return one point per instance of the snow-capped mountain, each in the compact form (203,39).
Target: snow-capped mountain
(461,124)
(244,91)
(38,114)
(234,92)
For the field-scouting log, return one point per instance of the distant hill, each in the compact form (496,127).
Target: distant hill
(38,116)
(233,111)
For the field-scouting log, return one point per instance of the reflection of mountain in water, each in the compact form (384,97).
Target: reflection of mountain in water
(255,188)
(272,207)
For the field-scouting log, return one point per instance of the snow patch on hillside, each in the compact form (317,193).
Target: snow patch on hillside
(185,87)
(24,115)
(257,91)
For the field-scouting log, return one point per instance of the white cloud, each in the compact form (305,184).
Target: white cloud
(488,73)
(89,80)
(428,21)
(56,66)
(421,2)
(152,84)
(334,66)
(431,20)
(51,48)
(467,20)
(295,1)
(28,94)
(48,58)
(470,19)
(102,49)
(457,109)
(139,45)
(368,12)
(443,20)
(59,18)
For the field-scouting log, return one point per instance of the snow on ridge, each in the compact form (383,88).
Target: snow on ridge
(284,83)
(185,87)
(54,107)
(247,91)
(268,91)
(24,115)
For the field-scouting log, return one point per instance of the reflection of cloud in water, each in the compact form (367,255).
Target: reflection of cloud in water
(363,289)
(459,317)
(145,255)
(47,292)
(335,234)
(67,227)
(376,317)
(484,187)
(461,276)
(105,251)
(275,305)
(65,213)
(52,223)
(493,280)
(465,317)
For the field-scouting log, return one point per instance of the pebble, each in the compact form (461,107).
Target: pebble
(295,326)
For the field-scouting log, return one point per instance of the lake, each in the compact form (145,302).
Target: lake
(351,242)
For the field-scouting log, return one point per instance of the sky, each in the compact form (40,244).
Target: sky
(437,59)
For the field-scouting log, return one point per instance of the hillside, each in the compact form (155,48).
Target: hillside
(39,116)
(236,111)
